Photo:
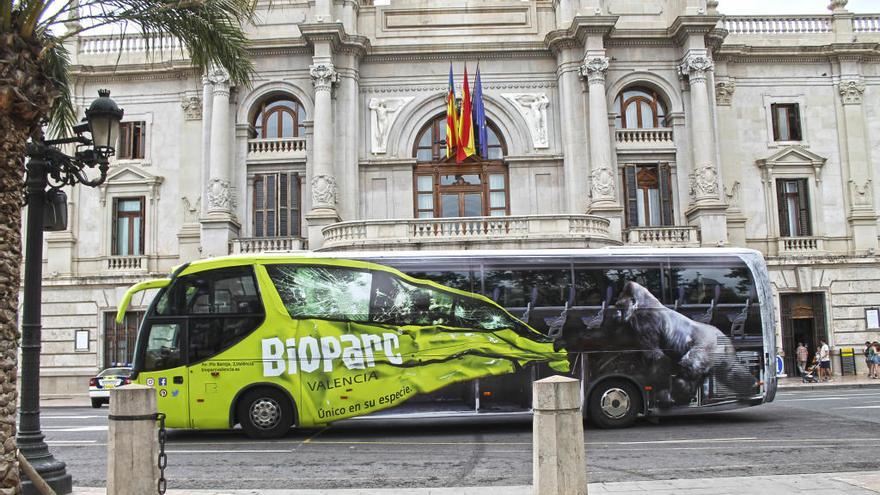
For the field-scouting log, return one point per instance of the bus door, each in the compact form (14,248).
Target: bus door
(164,368)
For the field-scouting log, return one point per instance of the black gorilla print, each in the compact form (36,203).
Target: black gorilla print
(692,349)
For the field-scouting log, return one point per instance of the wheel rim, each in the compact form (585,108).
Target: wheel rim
(615,403)
(265,413)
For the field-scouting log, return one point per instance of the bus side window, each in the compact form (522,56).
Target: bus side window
(224,306)
(323,292)
(163,347)
(396,301)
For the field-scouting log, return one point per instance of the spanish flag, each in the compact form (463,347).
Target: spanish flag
(451,118)
(465,124)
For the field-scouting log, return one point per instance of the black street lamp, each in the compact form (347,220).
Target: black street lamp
(48,170)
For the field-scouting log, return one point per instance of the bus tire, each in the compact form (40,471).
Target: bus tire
(265,412)
(614,404)
(96,403)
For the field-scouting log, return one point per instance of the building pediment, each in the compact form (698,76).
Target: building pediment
(131,179)
(792,155)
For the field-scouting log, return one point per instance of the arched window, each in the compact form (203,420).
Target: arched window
(279,117)
(443,188)
(639,108)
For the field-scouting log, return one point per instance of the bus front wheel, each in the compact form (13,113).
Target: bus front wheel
(265,413)
(614,404)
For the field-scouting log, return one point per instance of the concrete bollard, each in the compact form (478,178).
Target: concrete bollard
(558,438)
(132,441)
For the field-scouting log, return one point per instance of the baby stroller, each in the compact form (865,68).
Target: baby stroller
(811,373)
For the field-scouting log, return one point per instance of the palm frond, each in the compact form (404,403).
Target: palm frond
(56,60)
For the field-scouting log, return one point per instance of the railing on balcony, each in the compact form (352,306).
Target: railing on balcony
(521,230)
(778,24)
(131,43)
(276,147)
(644,138)
(663,236)
(800,245)
(126,263)
(866,23)
(250,245)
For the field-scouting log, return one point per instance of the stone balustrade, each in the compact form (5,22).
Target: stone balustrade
(685,236)
(130,43)
(252,245)
(777,24)
(644,138)
(126,263)
(866,23)
(267,149)
(800,245)
(521,231)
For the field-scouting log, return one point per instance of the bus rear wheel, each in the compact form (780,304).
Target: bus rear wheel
(614,404)
(265,413)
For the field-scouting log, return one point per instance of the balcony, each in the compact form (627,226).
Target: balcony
(522,231)
(277,149)
(126,263)
(801,245)
(252,245)
(663,236)
(644,140)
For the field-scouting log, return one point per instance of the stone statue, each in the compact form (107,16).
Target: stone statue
(384,113)
(192,107)
(861,196)
(533,107)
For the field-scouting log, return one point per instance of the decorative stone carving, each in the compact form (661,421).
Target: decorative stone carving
(323,76)
(533,108)
(851,91)
(602,183)
(733,196)
(704,182)
(191,210)
(594,69)
(695,67)
(724,92)
(219,77)
(220,195)
(192,107)
(861,196)
(384,112)
(324,191)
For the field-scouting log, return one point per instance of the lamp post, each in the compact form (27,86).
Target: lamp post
(49,170)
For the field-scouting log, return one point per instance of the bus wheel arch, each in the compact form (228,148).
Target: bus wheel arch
(614,402)
(264,410)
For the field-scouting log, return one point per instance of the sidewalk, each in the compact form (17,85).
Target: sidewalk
(859,483)
(849,381)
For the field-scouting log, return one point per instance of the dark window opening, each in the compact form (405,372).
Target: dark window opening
(119,338)
(132,140)
(277,205)
(794,207)
(639,108)
(786,122)
(128,227)
(280,117)
(648,192)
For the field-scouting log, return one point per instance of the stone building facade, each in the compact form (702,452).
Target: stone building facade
(611,122)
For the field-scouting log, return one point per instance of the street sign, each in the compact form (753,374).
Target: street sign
(780,366)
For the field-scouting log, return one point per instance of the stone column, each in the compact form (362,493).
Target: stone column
(603,199)
(132,441)
(862,215)
(571,114)
(558,457)
(207,115)
(219,226)
(323,187)
(706,209)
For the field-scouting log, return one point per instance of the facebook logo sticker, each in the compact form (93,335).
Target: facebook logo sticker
(163,382)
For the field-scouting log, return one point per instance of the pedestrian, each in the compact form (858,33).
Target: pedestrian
(869,361)
(802,354)
(824,361)
(875,359)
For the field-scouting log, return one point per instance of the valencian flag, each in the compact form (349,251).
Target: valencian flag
(451,118)
(480,116)
(465,124)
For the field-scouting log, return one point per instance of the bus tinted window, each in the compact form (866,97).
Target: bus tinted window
(323,292)
(223,291)
(163,347)
(700,285)
(399,302)
(513,288)
(210,336)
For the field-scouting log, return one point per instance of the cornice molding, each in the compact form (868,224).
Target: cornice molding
(334,32)
(686,25)
(576,34)
(427,88)
(460,52)
(134,72)
(799,54)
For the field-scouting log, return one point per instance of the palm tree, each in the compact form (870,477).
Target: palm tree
(34,92)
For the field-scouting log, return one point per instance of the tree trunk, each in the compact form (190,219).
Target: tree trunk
(26,96)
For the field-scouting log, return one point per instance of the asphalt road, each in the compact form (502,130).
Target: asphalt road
(821,431)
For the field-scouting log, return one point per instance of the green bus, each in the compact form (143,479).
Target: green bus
(279,340)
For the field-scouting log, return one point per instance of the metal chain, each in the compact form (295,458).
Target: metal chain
(163,458)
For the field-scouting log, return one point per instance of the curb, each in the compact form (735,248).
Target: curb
(843,386)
